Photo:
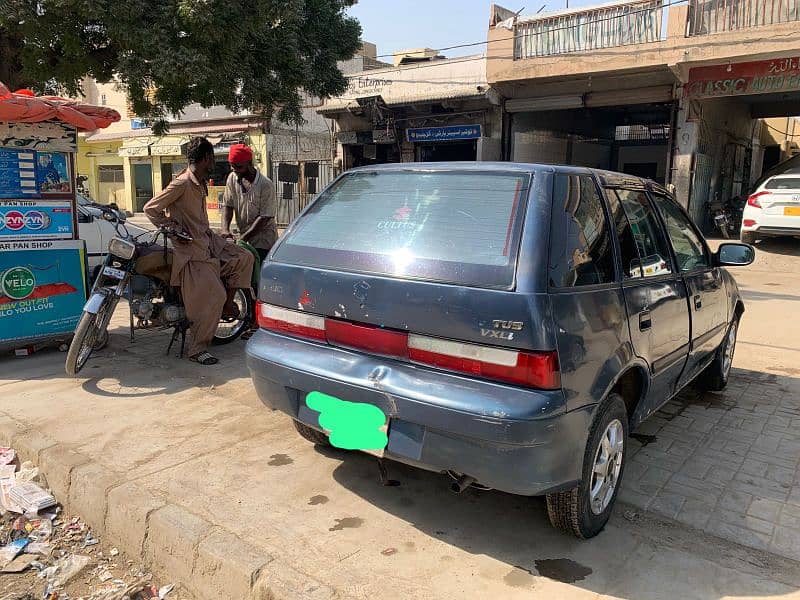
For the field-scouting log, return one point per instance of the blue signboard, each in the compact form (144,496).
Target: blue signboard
(451,133)
(42,289)
(35,219)
(18,173)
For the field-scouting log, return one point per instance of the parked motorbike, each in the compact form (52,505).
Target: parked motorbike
(722,218)
(140,271)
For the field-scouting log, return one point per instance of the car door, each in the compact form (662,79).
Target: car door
(704,282)
(89,231)
(655,295)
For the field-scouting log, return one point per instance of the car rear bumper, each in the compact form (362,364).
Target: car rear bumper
(511,439)
(765,230)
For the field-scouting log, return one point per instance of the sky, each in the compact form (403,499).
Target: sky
(401,24)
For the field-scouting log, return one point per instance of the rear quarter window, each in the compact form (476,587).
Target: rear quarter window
(783,183)
(459,227)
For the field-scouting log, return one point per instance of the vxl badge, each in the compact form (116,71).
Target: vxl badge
(502,330)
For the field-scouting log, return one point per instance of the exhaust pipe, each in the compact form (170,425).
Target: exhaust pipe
(461,484)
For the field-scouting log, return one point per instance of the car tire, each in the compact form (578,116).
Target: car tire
(715,376)
(749,237)
(311,434)
(584,510)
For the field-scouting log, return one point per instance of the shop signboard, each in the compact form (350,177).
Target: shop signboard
(42,288)
(35,219)
(354,137)
(384,136)
(18,173)
(450,133)
(779,75)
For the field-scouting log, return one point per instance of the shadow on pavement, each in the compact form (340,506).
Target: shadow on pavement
(786,246)
(515,530)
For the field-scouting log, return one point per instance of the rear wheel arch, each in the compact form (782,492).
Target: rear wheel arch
(631,385)
(738,310)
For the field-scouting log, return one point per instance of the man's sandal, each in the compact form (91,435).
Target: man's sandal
(204,358)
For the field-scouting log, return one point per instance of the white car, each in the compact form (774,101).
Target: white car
(97,232)
(773,209)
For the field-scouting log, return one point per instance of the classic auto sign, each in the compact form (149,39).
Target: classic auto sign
(740,79)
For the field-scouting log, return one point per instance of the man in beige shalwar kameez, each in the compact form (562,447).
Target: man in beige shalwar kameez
(199,267)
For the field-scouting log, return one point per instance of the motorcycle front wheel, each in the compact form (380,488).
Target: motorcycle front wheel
(228,332)
(90,335)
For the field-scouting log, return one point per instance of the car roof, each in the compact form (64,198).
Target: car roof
(607,178)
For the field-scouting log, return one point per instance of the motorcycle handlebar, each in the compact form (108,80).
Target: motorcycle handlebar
(172,232)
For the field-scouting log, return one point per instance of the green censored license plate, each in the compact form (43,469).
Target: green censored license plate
(351,425)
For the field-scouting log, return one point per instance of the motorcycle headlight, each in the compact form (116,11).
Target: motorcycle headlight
(122,248)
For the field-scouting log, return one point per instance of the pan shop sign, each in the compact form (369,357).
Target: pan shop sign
(740,79)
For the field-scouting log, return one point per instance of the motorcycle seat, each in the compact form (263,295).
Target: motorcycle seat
(152,264)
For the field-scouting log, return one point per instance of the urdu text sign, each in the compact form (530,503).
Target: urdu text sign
(740,79)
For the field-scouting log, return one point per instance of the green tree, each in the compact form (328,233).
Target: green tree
(258,55)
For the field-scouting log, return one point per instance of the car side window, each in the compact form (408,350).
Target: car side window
(581,252)
(689,248)
(653,253)
(627,246)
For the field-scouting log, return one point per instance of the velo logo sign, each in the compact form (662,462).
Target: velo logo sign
(18,283)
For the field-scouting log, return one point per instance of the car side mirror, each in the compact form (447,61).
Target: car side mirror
(85,218)
(735,255)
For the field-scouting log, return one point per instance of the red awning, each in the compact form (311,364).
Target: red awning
(25,107)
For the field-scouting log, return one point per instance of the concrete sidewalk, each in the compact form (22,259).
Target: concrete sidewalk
(182,464)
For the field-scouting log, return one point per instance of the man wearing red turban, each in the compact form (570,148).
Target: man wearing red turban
(251,197)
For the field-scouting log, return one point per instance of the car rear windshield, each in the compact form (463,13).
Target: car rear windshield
(460,227)
(783,183)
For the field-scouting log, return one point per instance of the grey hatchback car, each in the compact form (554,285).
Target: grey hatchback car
(506,324)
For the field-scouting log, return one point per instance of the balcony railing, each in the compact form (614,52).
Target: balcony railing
(590,29)
(717,16)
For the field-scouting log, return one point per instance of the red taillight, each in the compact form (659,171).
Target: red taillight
(753,200)
(531,369)
(749,222)
(292,322)
(367,338)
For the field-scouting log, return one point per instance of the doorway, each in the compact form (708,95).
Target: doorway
(143,184)
(448,151)
(647,170)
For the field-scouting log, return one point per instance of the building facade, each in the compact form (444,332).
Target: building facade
(426,109)
(672,92)
(126,164)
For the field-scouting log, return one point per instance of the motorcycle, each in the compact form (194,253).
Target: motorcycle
(722,218)
(140,271)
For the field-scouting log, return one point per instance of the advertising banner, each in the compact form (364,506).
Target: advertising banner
(42,288)
(52,173)
(18,173)
(35,219)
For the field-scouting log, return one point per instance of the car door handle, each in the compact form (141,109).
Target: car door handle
(698,302)
(645,321)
